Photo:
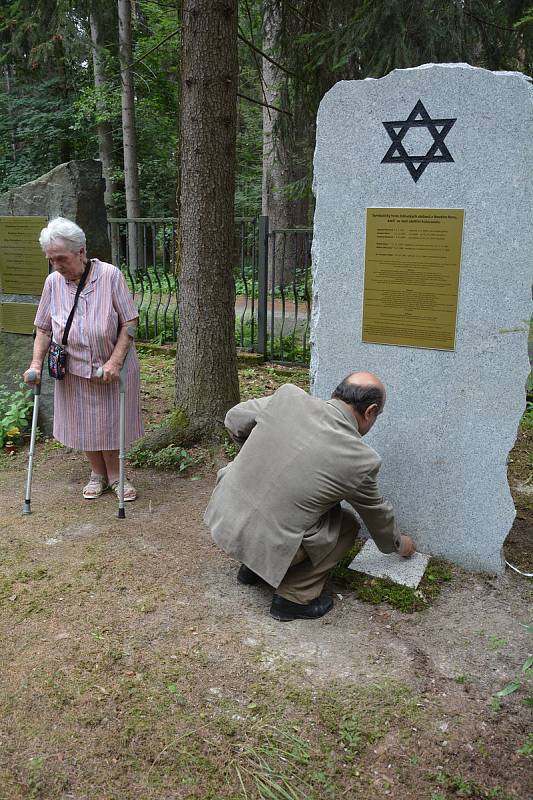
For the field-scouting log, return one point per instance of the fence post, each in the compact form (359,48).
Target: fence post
(262,287)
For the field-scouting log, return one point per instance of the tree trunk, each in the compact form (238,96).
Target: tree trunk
(57,69)
(280,169)
(104,128)
(129,136)
(8,80)
(206,366)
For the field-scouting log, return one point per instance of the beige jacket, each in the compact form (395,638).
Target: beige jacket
(301,456)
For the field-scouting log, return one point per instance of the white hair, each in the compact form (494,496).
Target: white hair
(65,231)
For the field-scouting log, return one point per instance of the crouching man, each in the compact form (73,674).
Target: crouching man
(276,507)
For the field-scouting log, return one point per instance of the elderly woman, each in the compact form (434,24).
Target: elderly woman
(86,408)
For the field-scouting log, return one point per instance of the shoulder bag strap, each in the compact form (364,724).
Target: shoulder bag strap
(79,290)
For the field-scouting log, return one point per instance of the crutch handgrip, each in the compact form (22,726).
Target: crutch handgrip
(31,375)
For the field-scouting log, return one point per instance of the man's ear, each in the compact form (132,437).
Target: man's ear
(372,411)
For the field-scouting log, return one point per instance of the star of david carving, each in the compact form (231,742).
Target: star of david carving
(438,153)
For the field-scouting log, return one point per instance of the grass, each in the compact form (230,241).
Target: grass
(121,680)
(458,786)
(172,738)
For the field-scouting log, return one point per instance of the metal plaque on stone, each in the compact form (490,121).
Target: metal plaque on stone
(411,282)
(17,317)
(23,265)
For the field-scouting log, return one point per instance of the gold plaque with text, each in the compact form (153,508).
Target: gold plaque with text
(23,265)
(412,266)
(17,317)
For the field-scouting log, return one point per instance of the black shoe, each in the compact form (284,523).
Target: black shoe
(286,610)
(247,577)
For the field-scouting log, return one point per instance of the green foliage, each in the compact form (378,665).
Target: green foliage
(37,131)
(293,347)
(44,66)
(230,449)
(350,734)
(527,748)
(527,419)
(169,458)
(156,89)
(250,116)
(320,42)
(461,787)
(49,107)
(276,764)
(496,643)
(15,411)
(522,680)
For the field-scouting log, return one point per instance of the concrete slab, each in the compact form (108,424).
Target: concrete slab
(405,571)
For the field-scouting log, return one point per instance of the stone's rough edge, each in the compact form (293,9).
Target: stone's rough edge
(315,314)
(406,572)
(340,85)
(44,178)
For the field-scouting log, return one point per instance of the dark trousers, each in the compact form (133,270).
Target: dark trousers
(304,581)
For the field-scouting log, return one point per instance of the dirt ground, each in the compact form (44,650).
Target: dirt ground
(134,666)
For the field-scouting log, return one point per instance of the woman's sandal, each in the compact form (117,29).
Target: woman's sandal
(96,486)
(130,492)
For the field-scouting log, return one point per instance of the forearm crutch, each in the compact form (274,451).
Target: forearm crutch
(122,436)
(32,377)
(122,425)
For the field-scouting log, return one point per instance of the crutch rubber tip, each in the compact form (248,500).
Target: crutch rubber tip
(26,508)
(121,513)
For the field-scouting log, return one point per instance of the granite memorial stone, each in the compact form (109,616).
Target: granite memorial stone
(74,190)
(23,270)
(431,153)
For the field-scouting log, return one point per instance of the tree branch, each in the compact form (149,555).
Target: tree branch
(298,13)
(155,47)
(261,53)
(255,58)
(239,35)
(266,105)
(486,22)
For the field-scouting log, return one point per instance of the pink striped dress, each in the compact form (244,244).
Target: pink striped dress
(86,410)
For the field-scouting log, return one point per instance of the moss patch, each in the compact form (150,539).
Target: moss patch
(178,420)
(381,590)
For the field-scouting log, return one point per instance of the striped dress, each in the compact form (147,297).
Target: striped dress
(86,410)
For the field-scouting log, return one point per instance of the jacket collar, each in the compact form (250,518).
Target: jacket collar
(345,411)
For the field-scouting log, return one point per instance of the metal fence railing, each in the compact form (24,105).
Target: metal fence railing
(289,295)
(150,270)
(272,274)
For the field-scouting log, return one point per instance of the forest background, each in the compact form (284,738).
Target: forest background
(60,93)
(204,110)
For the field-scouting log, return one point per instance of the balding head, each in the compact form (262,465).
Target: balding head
(365,394)
(367,379)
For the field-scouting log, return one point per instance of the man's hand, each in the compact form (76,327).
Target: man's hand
(407,546)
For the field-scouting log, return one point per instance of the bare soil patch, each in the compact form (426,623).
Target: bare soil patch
(134,666)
